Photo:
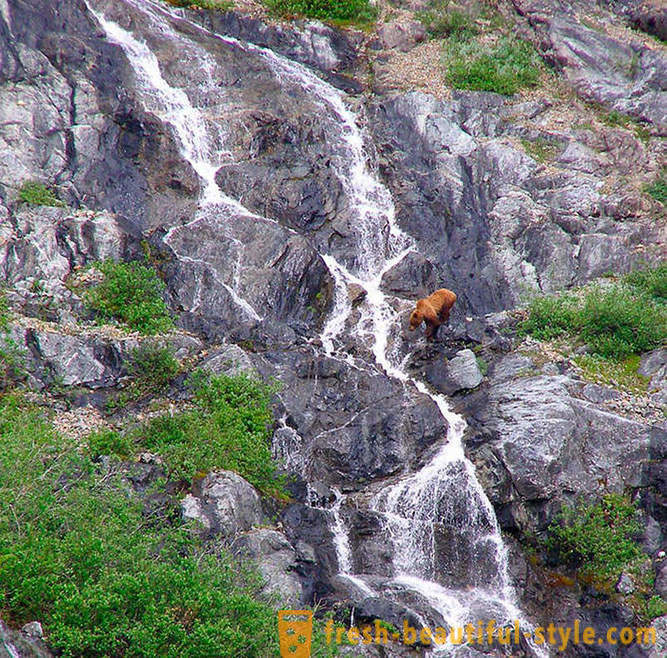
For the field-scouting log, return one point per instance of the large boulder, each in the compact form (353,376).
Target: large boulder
(538,443)
(224,503)
(277,563)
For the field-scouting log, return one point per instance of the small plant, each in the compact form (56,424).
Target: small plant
(504,68)
(347,11)
(616,321)
(550,316)
(442,21)
(658,189)
(34,193)
(80,551)
(153,368)
(652,281)
(482,365)
(130,293)
(600,539)
(211,5)
(12,356)
(540,149)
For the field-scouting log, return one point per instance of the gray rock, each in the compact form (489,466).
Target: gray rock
(16,644)
(401,34)
(228,360)
(540,446)
(626,78)
(625,584)
(654,365)
(33,629)
(660,647)
(224,503)
(459,373)
(277,562)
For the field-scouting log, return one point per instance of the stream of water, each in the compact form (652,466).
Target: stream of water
(445,493)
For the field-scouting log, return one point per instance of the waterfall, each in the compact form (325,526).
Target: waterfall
(445,493)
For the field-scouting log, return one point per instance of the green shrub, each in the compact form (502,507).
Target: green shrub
(130,293)
(37,194)
(229,429)
(652,281)
(442,21)
(504,68)
(600,540)
(658,189)
(550,316)
(104,575)
(354,11)
(212,5)
(618,321)
(153,368)
(615,321)
(12,356)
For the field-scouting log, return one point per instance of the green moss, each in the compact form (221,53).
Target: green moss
(132,294)
(658,189)
(621,374)
(34,193)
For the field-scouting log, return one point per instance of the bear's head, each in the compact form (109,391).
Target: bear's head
(416,318)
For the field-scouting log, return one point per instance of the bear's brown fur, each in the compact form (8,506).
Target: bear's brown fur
(434,310)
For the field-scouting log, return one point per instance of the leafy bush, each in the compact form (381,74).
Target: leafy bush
(442,21)
(79,552)
(355,11)
(652,281)
(600,539)
(229,429)
(550,316)
(153,368)
(130,293)
(615,321)
(37,194)
(505,67)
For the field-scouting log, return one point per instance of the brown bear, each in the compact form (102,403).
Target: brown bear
(434,310)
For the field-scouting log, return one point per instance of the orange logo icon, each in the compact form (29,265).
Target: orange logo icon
(295,630)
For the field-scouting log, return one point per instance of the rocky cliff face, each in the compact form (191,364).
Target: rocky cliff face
(296,209)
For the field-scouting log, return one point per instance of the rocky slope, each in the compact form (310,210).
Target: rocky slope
(245,249)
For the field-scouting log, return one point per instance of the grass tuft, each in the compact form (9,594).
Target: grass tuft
(347,11)
(34,193)
(504,67)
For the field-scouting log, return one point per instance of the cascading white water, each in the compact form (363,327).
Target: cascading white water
(412,505)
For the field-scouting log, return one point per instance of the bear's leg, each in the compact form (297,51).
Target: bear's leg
(431,330)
